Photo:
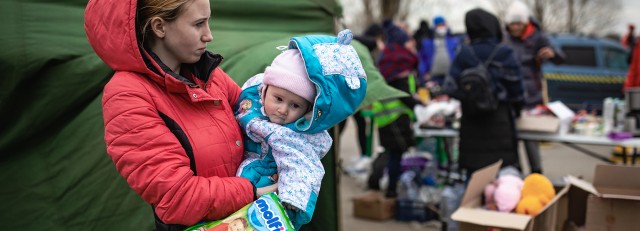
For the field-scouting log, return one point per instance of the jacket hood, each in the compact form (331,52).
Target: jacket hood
(482,24)
(111,30)
(341,83)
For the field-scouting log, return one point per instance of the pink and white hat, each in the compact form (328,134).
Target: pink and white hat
(288,71)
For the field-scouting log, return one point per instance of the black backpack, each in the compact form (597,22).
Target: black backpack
(475,86)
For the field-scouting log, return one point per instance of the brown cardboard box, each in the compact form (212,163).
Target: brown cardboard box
(616,205)
(543,123)
(612,214)
(373,205)
(559,122)
(472,217)
(611,202)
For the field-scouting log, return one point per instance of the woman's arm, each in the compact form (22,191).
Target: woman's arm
(154,163)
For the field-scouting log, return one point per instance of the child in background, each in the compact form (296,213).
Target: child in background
(281,112)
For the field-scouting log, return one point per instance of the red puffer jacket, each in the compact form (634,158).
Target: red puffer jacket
(177,144)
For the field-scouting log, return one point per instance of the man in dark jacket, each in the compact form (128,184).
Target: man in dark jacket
(487,138)
(532,48)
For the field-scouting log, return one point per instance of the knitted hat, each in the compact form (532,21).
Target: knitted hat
(288,71)
(437,20)
(393,33)
(517,12)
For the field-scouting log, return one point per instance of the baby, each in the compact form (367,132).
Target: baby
(281,113)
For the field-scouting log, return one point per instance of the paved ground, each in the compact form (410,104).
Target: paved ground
(558,160)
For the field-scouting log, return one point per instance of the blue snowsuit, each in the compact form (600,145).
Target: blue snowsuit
(294,150)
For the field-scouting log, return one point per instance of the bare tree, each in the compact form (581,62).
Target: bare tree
(573,16)
(359,14)
(404,9)
(540,9)
(593,16)
(501,7)
(389,8)
(571,27)
(368,12)
(363,13)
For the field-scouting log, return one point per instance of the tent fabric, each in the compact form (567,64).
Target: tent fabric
(55,170)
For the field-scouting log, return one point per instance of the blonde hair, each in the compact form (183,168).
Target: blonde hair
(167,10)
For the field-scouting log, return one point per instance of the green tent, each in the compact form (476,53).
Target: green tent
(56,174)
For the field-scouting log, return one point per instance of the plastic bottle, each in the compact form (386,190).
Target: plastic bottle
(450,201)
(608,111)
(409,190)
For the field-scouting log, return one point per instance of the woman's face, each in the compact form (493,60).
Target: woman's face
(186,37)
(283,106)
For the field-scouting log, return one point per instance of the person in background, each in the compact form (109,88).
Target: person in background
(532,48)
(629,41)
(397,64)
(489,137)
(435,55)
(168,109)
(423,32)
(633,74)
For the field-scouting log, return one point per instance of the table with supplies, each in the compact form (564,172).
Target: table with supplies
(570,140)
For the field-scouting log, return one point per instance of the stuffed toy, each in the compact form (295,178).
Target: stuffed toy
(536,193)
(504,193)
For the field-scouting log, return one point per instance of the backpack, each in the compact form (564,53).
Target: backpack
(475,86)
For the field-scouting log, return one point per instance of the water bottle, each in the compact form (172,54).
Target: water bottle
(450,201)
(409,190)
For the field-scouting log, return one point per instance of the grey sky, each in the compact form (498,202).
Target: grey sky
(630,14)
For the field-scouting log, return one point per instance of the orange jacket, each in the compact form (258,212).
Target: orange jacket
(155,120)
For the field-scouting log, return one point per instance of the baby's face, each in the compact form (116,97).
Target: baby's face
(282,106)
(236,225)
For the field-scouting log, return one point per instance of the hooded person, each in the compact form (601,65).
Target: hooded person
(168,121)
(532,48)
(487,138)
(286,111)
(423,32)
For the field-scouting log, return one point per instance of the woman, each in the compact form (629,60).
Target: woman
(490,137)
(169,124)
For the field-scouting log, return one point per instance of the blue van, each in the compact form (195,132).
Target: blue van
(595,68)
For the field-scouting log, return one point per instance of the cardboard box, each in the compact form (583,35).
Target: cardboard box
(374,206)
(472,217)
(611,202)
(560,122)
(543,123)
(616,203)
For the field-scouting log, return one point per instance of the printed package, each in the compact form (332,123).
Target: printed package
(264,214)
